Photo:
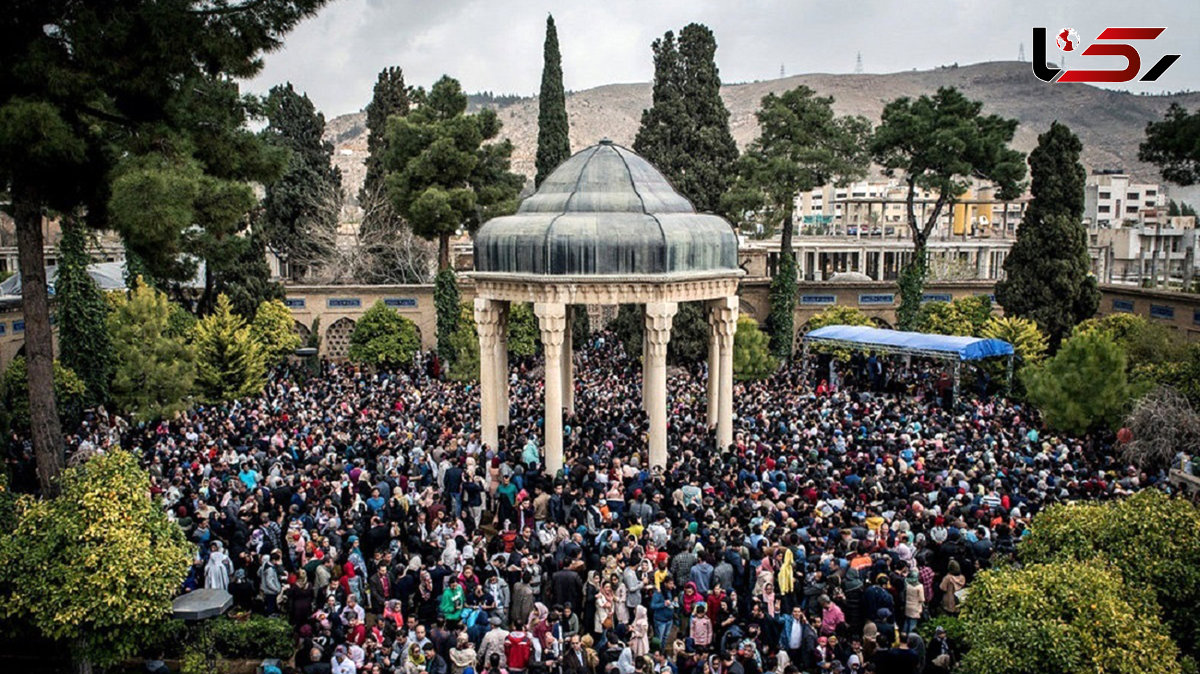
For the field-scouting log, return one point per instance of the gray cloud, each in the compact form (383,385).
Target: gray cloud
(497,45)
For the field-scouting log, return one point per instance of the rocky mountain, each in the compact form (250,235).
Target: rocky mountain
(1110,123)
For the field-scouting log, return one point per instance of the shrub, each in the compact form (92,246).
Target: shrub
(255,637)
(1063,618)
(69,392)
(752,357)
(1153,539)
(383,337)
(272,328)
(1083,387)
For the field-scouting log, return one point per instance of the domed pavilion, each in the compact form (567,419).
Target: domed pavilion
(604,228)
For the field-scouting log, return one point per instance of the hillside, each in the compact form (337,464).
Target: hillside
(1109,123)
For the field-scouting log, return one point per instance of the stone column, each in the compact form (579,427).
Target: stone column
(552,320)
(568,367)
(654,376)
(487,322)
(502,365)
(724,321)
(714,368)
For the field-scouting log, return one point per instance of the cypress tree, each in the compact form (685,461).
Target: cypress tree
(389,97)
(83,339)
(300,211)
(554,144)
(685,132)
(1048,277)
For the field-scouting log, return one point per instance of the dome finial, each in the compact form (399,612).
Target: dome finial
(606,141)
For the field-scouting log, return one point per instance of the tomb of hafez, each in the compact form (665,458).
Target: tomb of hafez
(605,228)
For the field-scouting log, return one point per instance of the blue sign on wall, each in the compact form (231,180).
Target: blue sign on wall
(937,297)
(3,328)
(991,297)
(1195,318)
(1124,306)
(818,299)
(294,302)
(1163,311)
(344,303)
(887,298)
(18,326)
(401,302)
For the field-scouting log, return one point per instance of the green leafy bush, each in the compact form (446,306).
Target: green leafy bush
(69,392)
(384,337)
(255,637)
(752,357)
(1153,539)
(1083,387)
(1063,618)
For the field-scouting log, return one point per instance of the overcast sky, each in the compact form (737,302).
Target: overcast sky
(496,45)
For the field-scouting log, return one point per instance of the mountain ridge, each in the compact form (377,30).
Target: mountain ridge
(1109,123)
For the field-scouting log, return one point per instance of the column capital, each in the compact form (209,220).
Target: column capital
(489,318)
(552,321)
(658,319)
(723,317)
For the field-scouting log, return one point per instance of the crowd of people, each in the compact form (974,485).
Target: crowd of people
(361,507)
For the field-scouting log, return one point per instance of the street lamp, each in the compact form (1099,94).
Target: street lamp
(195,608)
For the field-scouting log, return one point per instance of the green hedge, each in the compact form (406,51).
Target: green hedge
(253,638)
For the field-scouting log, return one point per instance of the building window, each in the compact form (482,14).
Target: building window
(1106,195)
(1151,193)
(1131,209)
(1132,196)
(1104,209)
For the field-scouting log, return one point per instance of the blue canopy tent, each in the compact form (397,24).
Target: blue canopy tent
(944,347)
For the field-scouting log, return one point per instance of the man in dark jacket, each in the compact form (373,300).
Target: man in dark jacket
(434,663)
(567,587)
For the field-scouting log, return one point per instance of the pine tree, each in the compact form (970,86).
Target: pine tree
(301,208)
(83,87)
(554,144)
(1048,271)
(941,143)
(752,357)
(442,173)
(153,369)
(83,339)
(230,363)
(274,329)
(685,132)
(391,96)
(803,145)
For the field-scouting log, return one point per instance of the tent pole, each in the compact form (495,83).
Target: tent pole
(1009,373)
(957,372)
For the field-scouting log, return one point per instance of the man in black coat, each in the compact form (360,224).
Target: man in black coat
(567,587)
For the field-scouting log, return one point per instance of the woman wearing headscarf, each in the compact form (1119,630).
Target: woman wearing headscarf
(639,641)
(219,567)
(300,599)
(914,601)
(951,584)
(606,602)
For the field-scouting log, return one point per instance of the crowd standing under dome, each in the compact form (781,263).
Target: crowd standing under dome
(361,507)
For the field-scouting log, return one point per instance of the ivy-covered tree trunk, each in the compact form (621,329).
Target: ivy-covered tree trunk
(445,301)
(45,429)
(83,339)
(781,320)
(912,285)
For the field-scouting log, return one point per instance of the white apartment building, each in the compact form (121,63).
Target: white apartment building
(1112,198)
(1159,251)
